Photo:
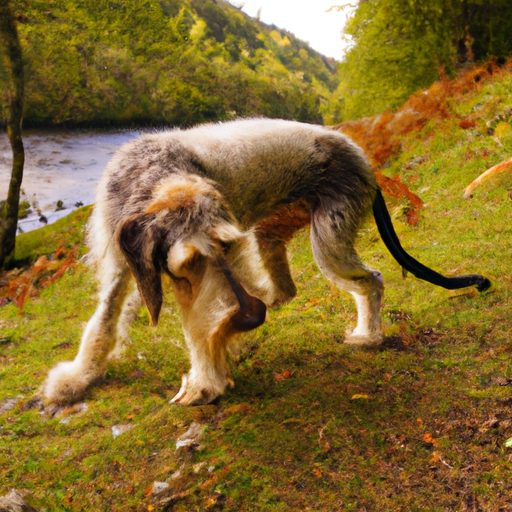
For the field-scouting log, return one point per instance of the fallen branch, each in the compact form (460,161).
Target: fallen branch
(484,176)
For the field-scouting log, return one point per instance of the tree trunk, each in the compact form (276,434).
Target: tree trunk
(10,55)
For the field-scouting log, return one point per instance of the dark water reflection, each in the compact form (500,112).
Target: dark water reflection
(60,166)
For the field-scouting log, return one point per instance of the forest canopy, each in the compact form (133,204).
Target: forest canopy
(174,62)
(401,46)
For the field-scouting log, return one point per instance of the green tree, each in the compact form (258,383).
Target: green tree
(154,62)
(12,69)
(400,46)
(397,48)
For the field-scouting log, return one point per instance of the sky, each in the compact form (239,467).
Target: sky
(306,19)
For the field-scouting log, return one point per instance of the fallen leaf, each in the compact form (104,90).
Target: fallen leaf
(427,437)
(508,442)
(214,479)
(360,396)
(284,375)
(216,500)
(436,457)
(467,123)
(18,286)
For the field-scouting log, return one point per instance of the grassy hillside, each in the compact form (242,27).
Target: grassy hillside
(419,424)
(175,62)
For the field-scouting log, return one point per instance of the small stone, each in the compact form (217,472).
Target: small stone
(8,404)
(159,487)
(15,502)
(117,430)
(191,438)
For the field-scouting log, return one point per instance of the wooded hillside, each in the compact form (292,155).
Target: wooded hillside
(177,62)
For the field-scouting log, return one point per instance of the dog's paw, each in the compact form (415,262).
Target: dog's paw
(195,392)
(67,383)
(364,340)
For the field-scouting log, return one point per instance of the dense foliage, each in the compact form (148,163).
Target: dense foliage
(401,46)
(173,62)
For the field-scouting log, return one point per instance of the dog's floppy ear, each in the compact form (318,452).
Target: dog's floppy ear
(138,244)
(186,216)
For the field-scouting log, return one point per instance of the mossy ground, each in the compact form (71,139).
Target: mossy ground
(419,424)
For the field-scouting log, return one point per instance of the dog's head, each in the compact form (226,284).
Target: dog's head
(186,220)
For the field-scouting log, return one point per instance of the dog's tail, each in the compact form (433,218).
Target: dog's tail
(388,234)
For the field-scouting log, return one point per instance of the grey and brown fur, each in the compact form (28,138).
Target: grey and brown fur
(179,202)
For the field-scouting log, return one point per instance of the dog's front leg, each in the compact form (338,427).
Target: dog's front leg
(68,381)
(209,373)
(208,309)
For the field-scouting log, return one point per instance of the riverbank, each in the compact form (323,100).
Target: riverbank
(62,169)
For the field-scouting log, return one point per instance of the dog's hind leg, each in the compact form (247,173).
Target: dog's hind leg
(68,381)
(332,238)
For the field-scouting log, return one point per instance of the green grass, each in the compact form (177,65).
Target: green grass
(303,442)
(68,231)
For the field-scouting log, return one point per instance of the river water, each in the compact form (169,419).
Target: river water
(59,166)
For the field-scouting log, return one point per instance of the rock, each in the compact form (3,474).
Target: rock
(34,403)
(190,439)
(159,487)
(8,404)
(117,430)
(15,502)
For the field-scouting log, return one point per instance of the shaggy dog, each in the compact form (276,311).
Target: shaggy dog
(213,207)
